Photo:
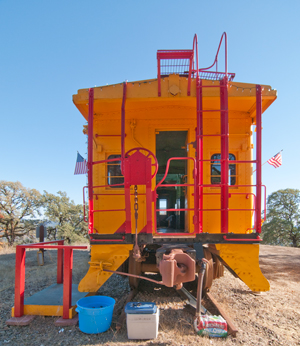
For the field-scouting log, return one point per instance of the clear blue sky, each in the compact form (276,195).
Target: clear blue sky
(50,49)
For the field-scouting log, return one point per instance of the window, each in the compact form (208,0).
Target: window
(162,205)
(215,170)
(114,174)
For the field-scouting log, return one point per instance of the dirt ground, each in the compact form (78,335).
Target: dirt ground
(269,319)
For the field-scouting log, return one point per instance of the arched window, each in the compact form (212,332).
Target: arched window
(215,170)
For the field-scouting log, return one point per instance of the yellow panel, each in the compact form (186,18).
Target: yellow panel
(45,310)
(103,256)
(244,261)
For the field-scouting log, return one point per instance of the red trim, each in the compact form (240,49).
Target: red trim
(19,281)
(258,157)
(60,263)
(121,229)
(90,160)
(127,195)
(108,240)
(67,290)
(199,157)
(123,126)
(231,239)
(96,135)
(158,78)
(149,195)
(224,154)
(83,195)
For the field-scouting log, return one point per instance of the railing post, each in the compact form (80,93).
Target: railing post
(224,154)
(123,127)
(60,263)
(19,281)
(199,159)
(149,197)
(67,288)
(158,77)
(90,160)
(258,158)
(127,169)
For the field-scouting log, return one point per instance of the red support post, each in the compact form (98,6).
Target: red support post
(158,77)
(67,291)
(123,126)
(60,263)
(127,196)
(19,281)
(90,160)
(224,154)
(149,196)
(199,167)
(190,75)
(258,158)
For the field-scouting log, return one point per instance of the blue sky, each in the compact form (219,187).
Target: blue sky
(50,49)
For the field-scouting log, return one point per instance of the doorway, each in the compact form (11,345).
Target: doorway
(171,144)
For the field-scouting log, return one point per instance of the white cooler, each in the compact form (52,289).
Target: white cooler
(142,320)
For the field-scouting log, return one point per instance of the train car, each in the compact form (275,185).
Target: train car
(174,173)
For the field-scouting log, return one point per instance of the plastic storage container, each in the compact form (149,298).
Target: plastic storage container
(142,320)
(95,314)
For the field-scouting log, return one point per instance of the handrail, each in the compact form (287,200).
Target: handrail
(168,165)
(64,273)
(160,184)
(195,49)
(216,57)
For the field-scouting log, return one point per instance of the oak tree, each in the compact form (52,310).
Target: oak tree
(19,209)
(282,226)
(66,217)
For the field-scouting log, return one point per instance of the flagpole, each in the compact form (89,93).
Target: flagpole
(265,162)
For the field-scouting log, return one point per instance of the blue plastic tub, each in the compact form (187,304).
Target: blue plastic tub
(95,314)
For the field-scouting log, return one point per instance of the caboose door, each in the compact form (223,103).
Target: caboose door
(171,146)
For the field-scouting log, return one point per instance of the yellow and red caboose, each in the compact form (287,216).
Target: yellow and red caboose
(170,173)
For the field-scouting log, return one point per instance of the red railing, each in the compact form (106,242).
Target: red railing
(64,272)
(224,137)
(182,60)
(160,184)
(176,61)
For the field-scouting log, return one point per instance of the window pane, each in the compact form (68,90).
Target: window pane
(162,205)
(114,174)
(215,170)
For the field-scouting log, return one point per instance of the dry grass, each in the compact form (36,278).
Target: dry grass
(270,319)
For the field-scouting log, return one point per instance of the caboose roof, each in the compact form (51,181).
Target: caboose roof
(144,94)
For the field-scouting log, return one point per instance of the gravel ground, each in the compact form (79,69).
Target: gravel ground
(269,319)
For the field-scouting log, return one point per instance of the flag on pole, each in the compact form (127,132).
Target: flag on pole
(276,160)
(81,166)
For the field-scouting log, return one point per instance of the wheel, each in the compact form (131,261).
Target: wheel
(150,154)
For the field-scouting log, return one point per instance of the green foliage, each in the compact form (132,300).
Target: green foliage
(19,206)
(66,215)
(282,226)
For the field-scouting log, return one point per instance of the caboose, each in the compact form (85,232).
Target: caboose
(174,173)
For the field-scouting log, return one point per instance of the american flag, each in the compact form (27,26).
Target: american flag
(276,160)
(81,166)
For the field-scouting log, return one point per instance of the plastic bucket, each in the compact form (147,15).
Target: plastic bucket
(95,314)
